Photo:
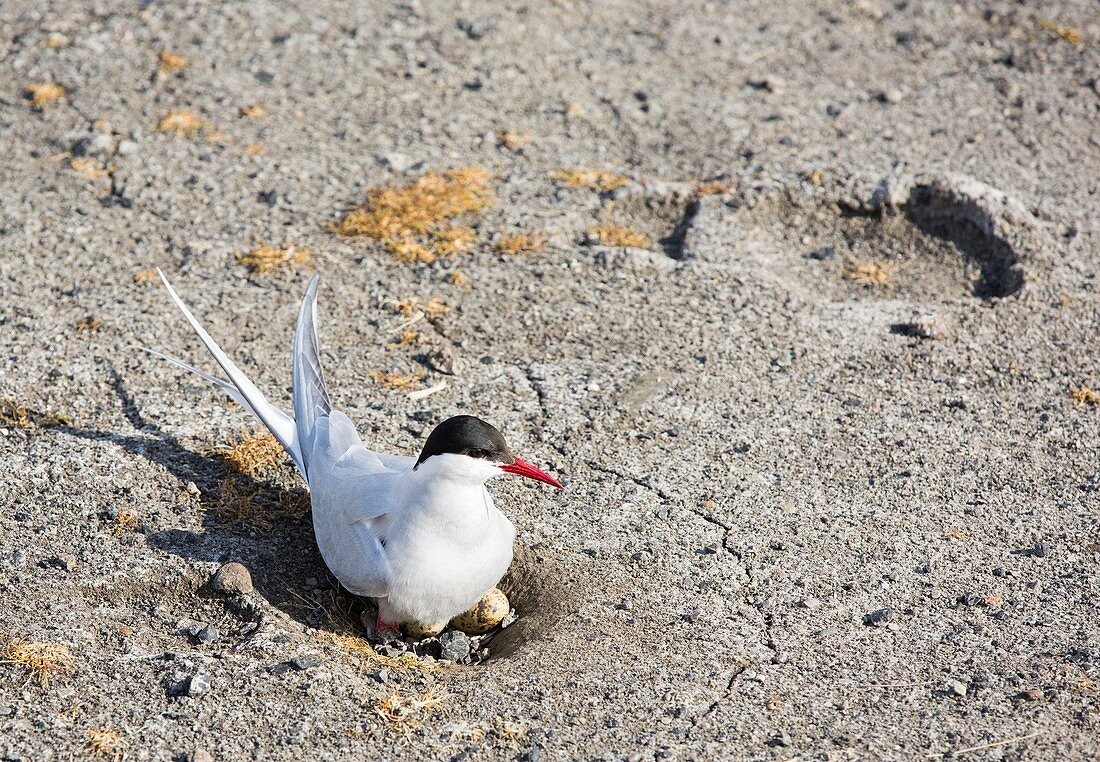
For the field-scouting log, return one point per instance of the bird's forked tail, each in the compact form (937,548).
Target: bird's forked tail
(291,435)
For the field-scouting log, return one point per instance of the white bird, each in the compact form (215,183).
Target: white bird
(420,535)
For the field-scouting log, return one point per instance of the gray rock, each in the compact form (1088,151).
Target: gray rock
(929,326)
(100,144)
(396,161)
(957,688)
(305,661)
(443,360)
(232,579)
(770,82)
(455,646)
(198,685)
(207,634)
(128,148)
(879,618)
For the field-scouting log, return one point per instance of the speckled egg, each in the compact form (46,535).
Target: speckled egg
(483,615)
(418,630)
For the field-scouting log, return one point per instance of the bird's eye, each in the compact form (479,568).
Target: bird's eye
(475,453)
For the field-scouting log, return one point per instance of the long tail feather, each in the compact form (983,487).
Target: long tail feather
(242,390)
(310,395)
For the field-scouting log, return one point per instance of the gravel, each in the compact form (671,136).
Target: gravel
(972,197)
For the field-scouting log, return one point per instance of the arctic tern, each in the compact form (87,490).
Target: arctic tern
(419,535)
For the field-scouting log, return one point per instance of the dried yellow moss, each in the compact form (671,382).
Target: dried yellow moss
(44,94)
(255,456)
(126,521)
(146,276)
(408,339)
(90,323)
(181,123)
(458,278)
(244,503)
(452,240)
(253,111)
(1070,34)
(412,220)
(433,309)
(89,167)
(13,413)
(266,258)
(712,188)
(41,661)
(618,235)
(169,62)
(105,742)
(869,273)
(512,140)
(1085,396)
(241,499)
(406,713)
(593,179)
(396,381)
(522,243)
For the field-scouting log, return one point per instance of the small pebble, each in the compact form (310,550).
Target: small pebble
(929,326)
(97,145)
(824,253)
(207,634)
(957,688)
(305,661)
(198,685)
(200,755)
(879,618)
(233,578)
(280,669)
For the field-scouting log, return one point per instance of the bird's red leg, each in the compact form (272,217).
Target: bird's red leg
(382,627)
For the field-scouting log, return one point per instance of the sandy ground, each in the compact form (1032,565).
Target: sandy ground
(798,522)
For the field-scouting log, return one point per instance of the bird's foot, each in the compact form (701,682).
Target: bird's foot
(380,630)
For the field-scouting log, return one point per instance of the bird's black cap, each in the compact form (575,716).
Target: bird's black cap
(467,435)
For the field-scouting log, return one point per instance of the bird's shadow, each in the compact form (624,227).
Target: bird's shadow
(276,543)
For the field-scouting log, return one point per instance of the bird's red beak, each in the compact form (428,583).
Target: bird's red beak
(523,468)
